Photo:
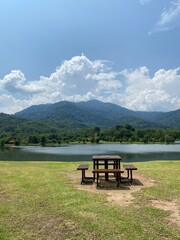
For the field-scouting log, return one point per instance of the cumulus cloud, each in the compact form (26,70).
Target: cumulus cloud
(76,79)
(80,79)
(145,93)
(170,18)
(15,84)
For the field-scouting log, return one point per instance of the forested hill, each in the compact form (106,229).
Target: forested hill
(95,113)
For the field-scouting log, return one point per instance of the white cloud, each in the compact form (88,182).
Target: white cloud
(169,18)
(160,92)
(10,104)
(15,84)
(80,79)
(76,79)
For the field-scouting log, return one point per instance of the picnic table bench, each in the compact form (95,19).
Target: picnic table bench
(83,168)
(129,168)
(117,172)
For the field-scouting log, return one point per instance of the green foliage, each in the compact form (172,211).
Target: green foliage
(43,140)
(2,142)
(129,134)
(22,131)
(95,113)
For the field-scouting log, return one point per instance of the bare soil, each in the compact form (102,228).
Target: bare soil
(122,195)
(172,207)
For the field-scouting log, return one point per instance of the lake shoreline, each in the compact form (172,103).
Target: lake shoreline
(84,152)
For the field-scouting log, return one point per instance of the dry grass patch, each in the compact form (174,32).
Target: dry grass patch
(173,207)
(90,215)
(4,196)
(48,228)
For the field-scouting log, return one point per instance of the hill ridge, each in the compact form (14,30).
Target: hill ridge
(96,113)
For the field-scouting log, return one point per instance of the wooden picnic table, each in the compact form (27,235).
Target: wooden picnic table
(106,161)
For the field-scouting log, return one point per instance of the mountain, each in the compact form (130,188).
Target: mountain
(10,119)
(170,119)
(96,113)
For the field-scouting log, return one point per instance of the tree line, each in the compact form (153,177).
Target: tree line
(118,134)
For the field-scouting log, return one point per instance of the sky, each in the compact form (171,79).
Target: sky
(125,52)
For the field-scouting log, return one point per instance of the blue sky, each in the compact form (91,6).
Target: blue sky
(121,51)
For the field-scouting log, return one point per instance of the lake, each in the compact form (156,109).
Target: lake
(128,152)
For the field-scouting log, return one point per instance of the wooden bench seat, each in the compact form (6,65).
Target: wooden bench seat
(129,168)
(83,168)
(117,172)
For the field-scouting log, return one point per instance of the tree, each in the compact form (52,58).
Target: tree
(2,142)
(43,141)
(97,131)
(97,140)
(92,139)
(17,142)
(33,139)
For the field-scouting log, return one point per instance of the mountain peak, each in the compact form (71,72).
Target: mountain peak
(96,113)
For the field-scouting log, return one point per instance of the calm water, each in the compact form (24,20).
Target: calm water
(129,152)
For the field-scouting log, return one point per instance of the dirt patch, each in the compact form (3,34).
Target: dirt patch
(173,207)
(121,195)
(4,196)
(88,215)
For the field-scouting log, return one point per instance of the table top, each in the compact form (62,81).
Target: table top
(106,157)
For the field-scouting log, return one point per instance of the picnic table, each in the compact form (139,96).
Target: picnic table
(105,161)
(107,164)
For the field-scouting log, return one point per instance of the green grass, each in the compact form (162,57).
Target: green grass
(39,201)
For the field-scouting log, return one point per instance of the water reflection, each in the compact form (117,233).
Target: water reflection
(129,152)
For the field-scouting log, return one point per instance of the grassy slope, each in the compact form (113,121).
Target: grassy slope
(38,201)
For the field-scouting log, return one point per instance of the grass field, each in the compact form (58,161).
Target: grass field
(39,201)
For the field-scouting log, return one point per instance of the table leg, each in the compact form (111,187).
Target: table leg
(131,176)
(117,165)
(97,179)
(127,174)
(83,176)
(106,174)
(94,167)
(118,176)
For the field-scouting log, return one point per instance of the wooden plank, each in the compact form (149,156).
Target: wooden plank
(129,167)
(83,167)
(99,170)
